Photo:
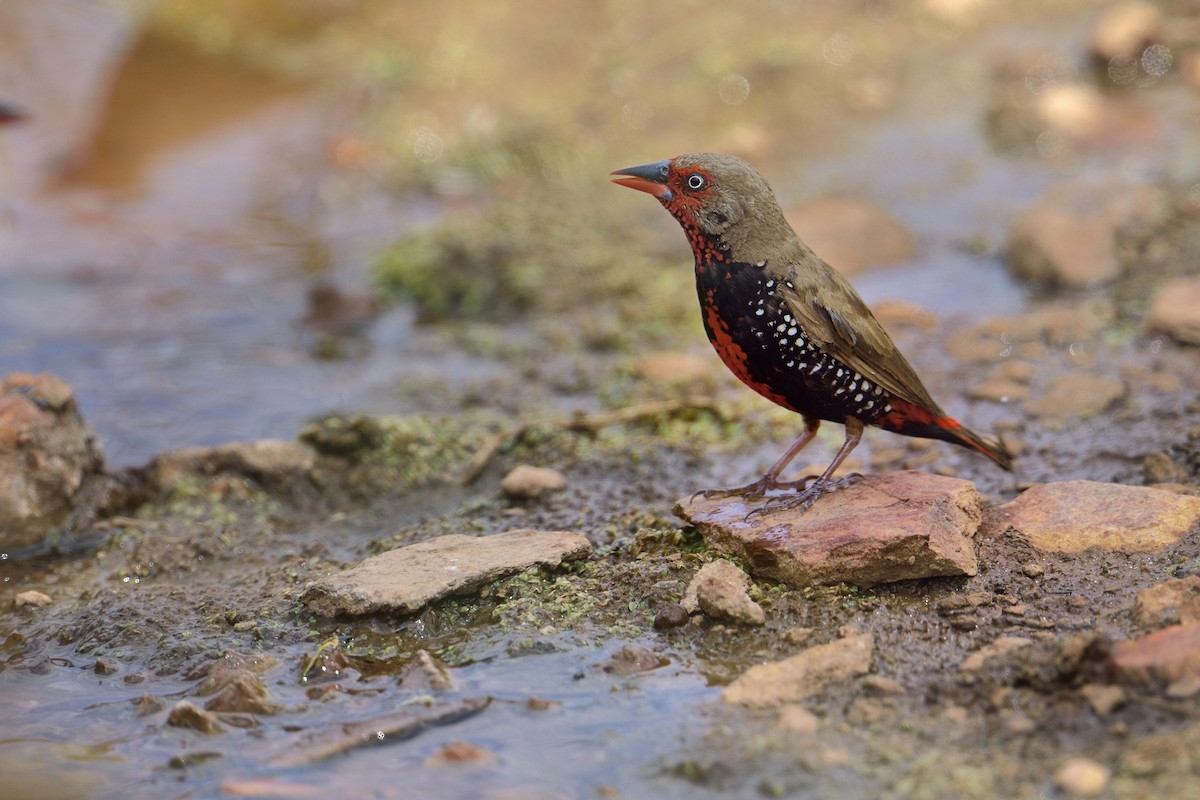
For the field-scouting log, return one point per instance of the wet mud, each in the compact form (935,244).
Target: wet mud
(175,657)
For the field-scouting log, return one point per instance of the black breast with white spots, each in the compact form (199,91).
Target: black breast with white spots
(779,352)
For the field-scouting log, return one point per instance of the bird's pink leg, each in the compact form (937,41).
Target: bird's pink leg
(770,480)
(826,483)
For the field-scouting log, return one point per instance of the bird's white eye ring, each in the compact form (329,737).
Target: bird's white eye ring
(695,182)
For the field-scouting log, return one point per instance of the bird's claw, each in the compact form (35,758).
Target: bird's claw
(810,494)
(756,490)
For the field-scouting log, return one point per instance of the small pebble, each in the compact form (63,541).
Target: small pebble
(104,667)
(797,635)
(878,684)
(527,483)
(1103,698)
(671,616)
(1033,570)
(460,752)
(1082,777)
(31,598)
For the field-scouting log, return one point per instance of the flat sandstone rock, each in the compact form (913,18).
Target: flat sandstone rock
(881,528)
(1072,516)
(405,580)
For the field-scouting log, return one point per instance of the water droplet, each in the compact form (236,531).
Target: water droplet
(1157,60)
(839,50)
(1122,70)
(1048,73)
(733,89)
(1049,144)
(426,144)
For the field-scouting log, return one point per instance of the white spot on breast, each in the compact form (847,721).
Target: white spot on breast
(770,284)
(762,263)
(866,385)
(858,398)
(792,331)
(758,313)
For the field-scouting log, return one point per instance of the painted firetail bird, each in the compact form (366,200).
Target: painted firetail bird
(786,323)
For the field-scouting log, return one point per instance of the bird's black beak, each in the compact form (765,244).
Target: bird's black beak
(10,113)
(650,178)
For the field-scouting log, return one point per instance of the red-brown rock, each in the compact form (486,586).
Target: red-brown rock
(1169,602)
(1072,516)
(1068,237)
(1166,658)
(880,529)
(1176,310)
(47,454)
(1077,394)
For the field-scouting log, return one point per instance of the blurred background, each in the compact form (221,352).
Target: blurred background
(219,218)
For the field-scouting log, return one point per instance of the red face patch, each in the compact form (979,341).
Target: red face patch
(690,189)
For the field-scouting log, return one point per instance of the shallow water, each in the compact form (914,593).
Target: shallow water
(166,284)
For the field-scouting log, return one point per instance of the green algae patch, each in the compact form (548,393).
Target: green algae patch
(218,500)
(368,454)
(535,250)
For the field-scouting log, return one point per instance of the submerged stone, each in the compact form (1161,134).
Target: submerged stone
(879,529)
(185,714)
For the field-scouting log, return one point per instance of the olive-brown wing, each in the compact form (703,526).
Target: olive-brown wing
(837,320)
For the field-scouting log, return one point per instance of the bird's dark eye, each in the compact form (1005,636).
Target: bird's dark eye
(696,182)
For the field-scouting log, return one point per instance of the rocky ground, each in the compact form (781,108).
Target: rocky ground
(521,595)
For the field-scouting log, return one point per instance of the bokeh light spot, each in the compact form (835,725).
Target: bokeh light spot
(1122,70)
(733,89)
(1157,60)
(839,50)
(426,144)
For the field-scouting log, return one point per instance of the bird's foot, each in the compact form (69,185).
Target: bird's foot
(809,494)
(757,489)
